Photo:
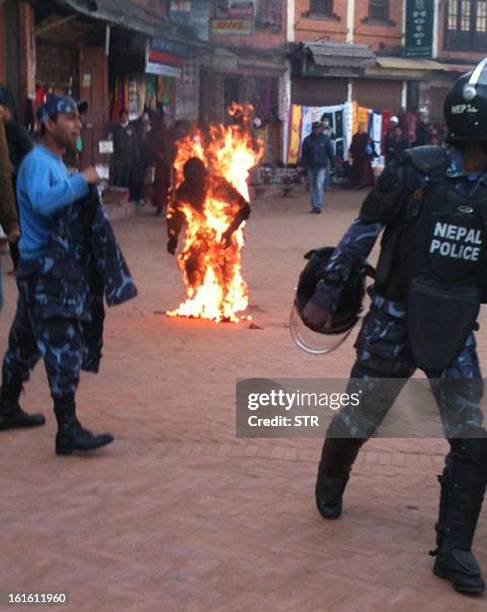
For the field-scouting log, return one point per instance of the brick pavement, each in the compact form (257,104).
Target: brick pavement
(178,514)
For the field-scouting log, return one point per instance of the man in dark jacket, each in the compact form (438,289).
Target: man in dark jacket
(19,144)
(394,144)
(317,155)
(8,212)
(125,152)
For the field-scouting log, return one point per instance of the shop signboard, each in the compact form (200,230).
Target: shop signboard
(163,70)
(166,58)
(419,28)
(232,26)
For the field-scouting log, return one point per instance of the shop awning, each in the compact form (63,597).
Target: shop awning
(324,59)
(271,62)
(414,68)
(405,63)
(345,55)
(132,16)
(460,68)
(244,62)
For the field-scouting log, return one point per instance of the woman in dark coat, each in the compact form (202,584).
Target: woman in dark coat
(362,152)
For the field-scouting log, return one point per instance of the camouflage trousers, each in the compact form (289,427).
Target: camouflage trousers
(58,340)
(385,363)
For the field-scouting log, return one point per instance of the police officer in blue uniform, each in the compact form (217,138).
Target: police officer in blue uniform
(431,278)
(54,290)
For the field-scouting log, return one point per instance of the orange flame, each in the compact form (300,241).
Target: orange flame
(211,270)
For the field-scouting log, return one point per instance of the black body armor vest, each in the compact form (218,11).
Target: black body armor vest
(434,259)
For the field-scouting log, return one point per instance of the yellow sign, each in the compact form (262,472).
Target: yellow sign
(231,26)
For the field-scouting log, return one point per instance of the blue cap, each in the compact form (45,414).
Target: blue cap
(56,105)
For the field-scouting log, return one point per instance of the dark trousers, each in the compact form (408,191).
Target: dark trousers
(121,174)
(57,340)
(384,363)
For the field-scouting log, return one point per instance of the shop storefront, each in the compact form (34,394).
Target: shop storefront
(244,78)
(57,69)
(161,76)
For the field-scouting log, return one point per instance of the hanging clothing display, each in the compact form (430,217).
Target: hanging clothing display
(301,119)
(136,93)
(344,119)
(375,131)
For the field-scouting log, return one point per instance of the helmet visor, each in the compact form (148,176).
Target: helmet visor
(312,342)
(479,75)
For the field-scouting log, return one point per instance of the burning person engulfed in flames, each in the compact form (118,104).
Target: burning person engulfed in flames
(211,204)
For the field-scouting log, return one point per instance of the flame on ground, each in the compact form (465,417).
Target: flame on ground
(215,287)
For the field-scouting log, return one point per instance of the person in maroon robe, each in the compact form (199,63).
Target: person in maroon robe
(362,152)
(164,154)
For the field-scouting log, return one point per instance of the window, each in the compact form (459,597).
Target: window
(466,25)
(465,16)
(481,25)
(321,7)
(269,15)
(379,10)
(452,15)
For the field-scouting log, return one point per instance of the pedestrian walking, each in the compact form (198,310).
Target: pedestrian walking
(362,151)
(327,131)
(59,310)
(423,130)
(163,154)
(430,282)
(125,153)
(316,156)
(143,130)
(394,143)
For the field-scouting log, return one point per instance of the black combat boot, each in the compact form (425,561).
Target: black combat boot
(336,462)
(462,492)
(11,414)
(71,436)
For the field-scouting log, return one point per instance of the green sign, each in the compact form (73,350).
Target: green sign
(419,28)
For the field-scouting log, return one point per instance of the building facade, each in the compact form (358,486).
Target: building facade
(193,58)
(420,47)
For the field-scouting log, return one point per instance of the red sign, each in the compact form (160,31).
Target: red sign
(157,57)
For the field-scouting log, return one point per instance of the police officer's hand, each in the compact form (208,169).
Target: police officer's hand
(91,176)
(172,245)
(316,317)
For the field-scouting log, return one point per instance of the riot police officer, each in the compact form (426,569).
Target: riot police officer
(430,282)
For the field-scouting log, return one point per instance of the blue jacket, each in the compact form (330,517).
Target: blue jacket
(317,152)
(45,189)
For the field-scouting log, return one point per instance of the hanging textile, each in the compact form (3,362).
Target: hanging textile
(375,131)
(295,121)
(360,117)
(301,119)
